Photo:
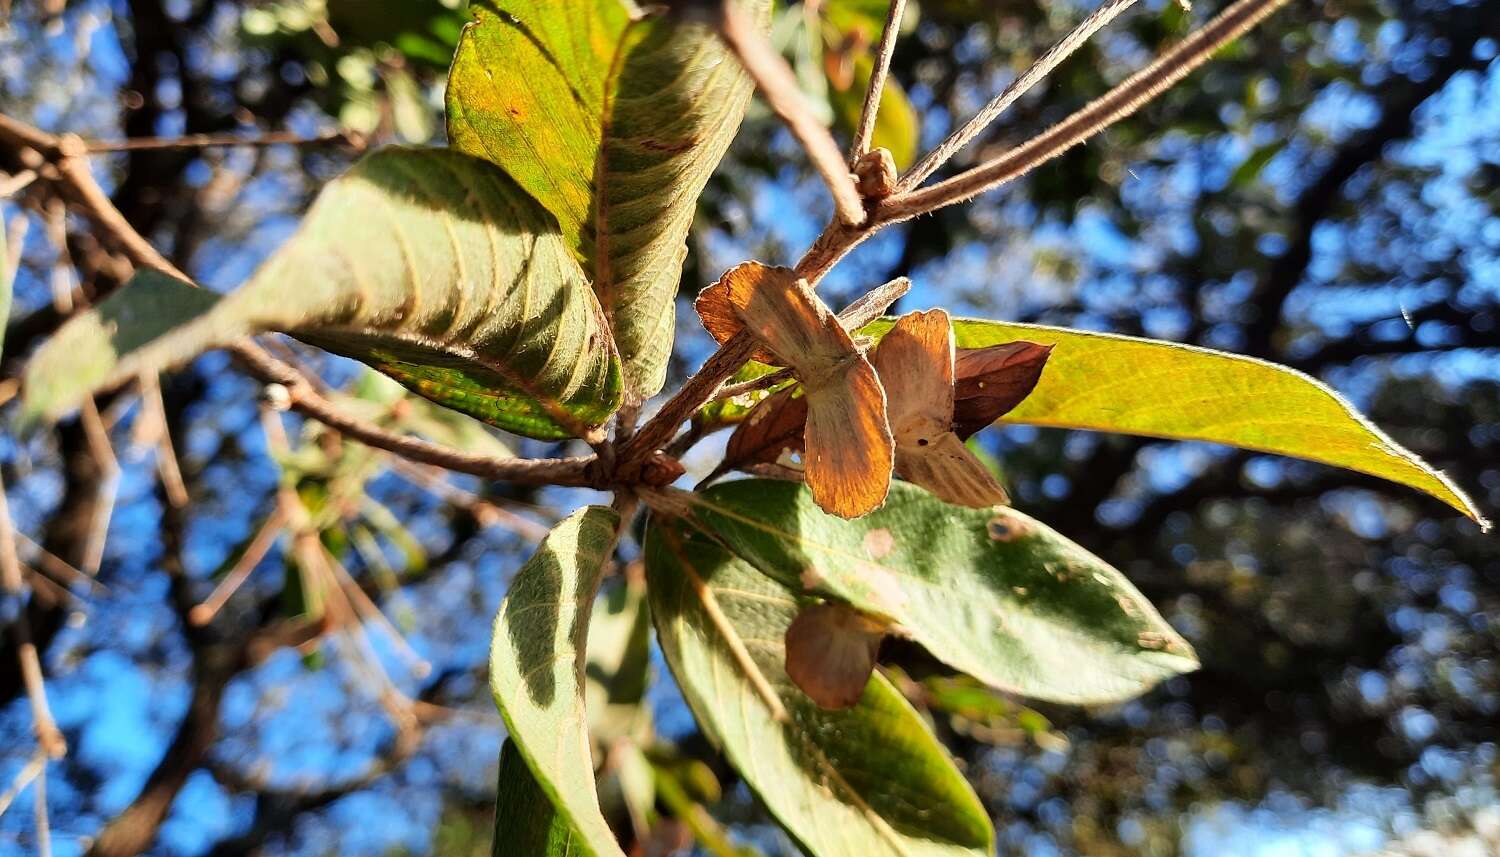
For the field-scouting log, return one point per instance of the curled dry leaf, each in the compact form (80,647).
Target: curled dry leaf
(849,448)
(830,653)
(916,366)
(991,382)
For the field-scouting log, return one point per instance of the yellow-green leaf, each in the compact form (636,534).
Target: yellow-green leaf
(428,265)
(537,662)
(614,125)
(1105,382)
(866,781)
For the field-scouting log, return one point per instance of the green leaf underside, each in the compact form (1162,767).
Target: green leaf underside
(526,822)
(867,781)
(1121,384)
(992,593)
(537,663)
(614,126)
(428,265)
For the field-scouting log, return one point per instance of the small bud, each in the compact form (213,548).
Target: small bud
(875,174)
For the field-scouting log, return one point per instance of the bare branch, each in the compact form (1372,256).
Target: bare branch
(43,827)
(260,544)
(53,565)
(167,466)
(201,141)
(30,771)
(1038,70)
(876,89)
(779,87)
(1121,101)
(48,737)
(108,488)
(485,512)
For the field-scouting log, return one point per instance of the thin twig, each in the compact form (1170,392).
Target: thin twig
(260,544)
(1120,102)
(43,826)
(15,238)
(30,771)
(48,737)
(201,141)
(1043,66)
(55,566)
(10,185)
(484,511)
(109,485)
(167,466)
(778,85)
(876,89)
(367,610)
(303,398)
(729,391)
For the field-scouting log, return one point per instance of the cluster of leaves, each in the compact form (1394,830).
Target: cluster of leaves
(526,276)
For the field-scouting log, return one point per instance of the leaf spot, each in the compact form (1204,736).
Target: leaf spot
(811,578)
(1006,529)
(1153,640)
(879,543)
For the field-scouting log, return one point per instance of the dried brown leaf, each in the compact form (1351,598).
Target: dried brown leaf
(849,447)
(993,381)
(916,365)
(830,653)
(849,452)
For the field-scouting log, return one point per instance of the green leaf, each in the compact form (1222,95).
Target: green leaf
(991,592)
(619,664)
(1104,382)
(614,126)
(537,662)
(526,821)
(867,780)
(428,265)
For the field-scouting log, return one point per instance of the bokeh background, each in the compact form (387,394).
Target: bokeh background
(1326,195)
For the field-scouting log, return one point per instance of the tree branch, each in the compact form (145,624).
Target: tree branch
(876,89)
(778,85)
(1121,101)
(1034,74)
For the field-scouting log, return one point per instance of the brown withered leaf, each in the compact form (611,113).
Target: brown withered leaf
(849,451)
(916,365)
(718,310)
(990,382)
(830,653)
